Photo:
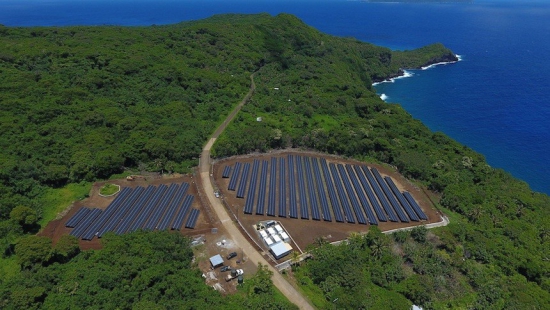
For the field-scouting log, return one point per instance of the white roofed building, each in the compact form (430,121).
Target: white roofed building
(280,250)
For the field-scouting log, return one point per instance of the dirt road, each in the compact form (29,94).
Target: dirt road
(205,167)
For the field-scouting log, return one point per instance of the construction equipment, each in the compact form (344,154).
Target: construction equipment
(134,177)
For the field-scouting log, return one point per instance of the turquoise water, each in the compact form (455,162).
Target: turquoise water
(494,101)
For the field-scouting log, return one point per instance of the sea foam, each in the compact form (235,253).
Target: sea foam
(442,63)
(383,97)
(406,74)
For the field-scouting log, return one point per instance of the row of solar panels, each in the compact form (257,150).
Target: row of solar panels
(356,193)
(140,208)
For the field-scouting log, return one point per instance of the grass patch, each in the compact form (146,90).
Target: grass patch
(326,122)
(55,200)
(122,175)
(108,189)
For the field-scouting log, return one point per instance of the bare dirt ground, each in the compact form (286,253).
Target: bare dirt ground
(220,244)
(305,232)
(55,229)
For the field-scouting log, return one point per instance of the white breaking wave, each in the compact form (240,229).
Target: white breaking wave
(383,97)
(442,63)
(406,74)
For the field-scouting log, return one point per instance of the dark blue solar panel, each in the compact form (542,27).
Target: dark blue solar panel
(73,221)
(173,207)
(234,177)
(85,223)
(187,201)
(244,179)
(260,205)
(381,197)
(404,203)
(251,194)
(192,220)
(160,208)
(374,202)
(119,215)
(135,210)
(101,222)
(341,193)
(106,215)
(415,206)
(362,198)
(304,208)
(226,172)
(321,190)
(310,188)
(332,192)
(351,195)
(282,187)
(271,199)
(293,206)
(389,195)
(146,211)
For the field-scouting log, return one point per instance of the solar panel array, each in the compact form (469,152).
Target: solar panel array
(75,219)
(139,208)
(249,205)
(293,205)
(226,172)
(272,200)
(192,220)
(304,212)
(282,187)
(318,189)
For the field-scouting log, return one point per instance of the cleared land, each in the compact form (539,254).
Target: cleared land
(304,225)
(55,229)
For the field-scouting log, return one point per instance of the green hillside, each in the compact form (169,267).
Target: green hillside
(82,103)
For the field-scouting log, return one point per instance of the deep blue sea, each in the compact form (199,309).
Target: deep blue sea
(495,100)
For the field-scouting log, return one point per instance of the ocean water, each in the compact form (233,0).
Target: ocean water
(495,100)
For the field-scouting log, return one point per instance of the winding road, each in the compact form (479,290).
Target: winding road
(205,167)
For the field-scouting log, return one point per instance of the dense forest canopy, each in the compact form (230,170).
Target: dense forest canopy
(81,103)
(136,271)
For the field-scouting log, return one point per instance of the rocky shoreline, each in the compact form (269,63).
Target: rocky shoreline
(444,59)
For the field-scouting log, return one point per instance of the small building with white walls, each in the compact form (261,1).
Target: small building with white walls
(280,250)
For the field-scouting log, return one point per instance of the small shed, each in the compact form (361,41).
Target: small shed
(216,261)
(278,228)
(280,249)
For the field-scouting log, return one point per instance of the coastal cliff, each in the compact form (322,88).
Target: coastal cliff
(417,59)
